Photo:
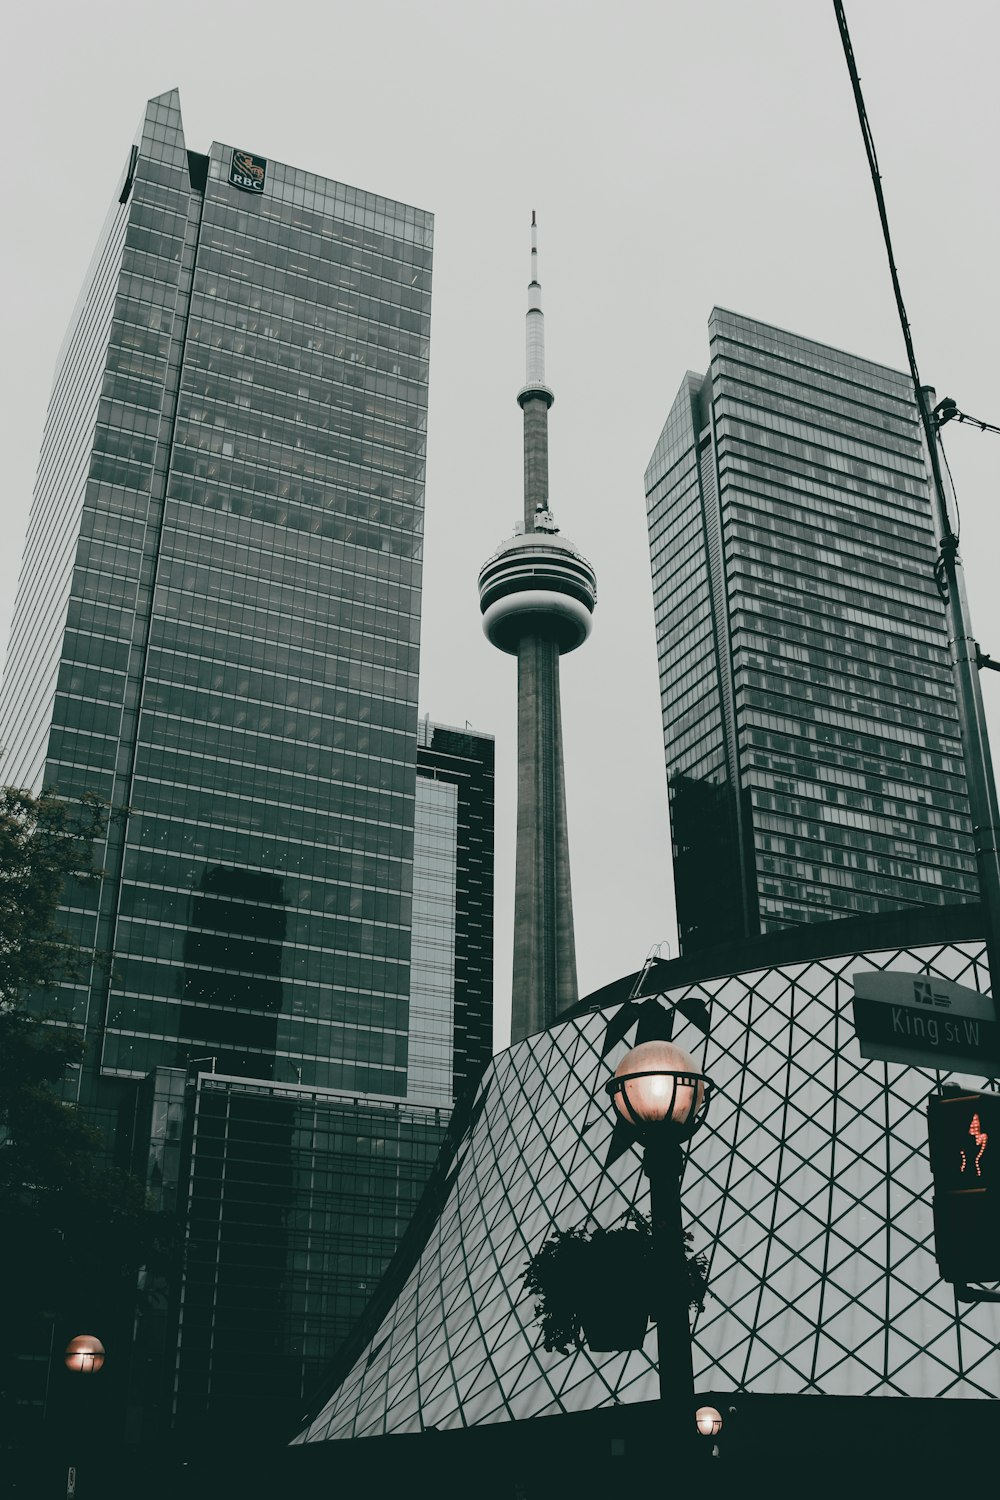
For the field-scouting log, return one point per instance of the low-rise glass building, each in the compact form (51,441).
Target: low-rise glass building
(808,1190)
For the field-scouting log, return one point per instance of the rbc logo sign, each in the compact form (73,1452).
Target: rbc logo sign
(248,172)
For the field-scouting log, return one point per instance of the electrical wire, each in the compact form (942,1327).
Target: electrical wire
(962,416)
(954,491)
(876,176)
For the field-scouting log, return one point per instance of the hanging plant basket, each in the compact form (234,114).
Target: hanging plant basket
(594,1286)
(621,1324)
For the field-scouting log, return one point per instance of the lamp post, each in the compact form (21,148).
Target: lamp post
(84,1355)
(658,1091)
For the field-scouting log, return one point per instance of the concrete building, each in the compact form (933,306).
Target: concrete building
(812,738)
(537,594)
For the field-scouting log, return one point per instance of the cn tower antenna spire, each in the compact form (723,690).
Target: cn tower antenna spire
(534,323)
(537,595)
(535,398)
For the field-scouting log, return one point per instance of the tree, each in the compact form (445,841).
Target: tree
(74,1231)
(43,842)
(45,1148)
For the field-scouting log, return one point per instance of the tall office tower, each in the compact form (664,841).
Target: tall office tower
(217,625)
(810,724)
(217,630)
(537,595)
(451,991)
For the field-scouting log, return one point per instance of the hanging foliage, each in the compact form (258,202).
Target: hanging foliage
(595,1285)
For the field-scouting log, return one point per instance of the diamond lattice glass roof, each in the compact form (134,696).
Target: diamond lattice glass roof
(809,1190)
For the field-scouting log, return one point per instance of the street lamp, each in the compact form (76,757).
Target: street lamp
(658,1091)
(708,1420)
(83,1355)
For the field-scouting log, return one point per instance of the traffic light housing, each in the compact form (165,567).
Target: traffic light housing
(963,1127)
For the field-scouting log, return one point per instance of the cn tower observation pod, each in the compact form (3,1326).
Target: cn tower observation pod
(537,584)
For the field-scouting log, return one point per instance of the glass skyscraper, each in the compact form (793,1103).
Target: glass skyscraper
(810,725)
(217,623)
(452,966)
(217,632)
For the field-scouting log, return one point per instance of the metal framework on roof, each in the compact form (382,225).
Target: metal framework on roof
(809,1190)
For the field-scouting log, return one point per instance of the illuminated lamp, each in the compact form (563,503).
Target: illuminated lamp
(658,1085)
(708,1420)
(84,1354)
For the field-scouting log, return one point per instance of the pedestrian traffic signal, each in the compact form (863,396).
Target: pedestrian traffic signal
(963,1127)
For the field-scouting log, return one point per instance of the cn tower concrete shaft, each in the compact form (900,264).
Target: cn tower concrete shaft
(537,595)
(536,455)
(544,979)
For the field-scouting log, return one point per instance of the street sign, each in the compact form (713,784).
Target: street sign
(926,1022)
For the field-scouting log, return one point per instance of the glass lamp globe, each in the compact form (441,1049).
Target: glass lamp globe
(667,1086)
(84,1354)
(708,1420)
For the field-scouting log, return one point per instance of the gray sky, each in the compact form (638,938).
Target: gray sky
(679,154)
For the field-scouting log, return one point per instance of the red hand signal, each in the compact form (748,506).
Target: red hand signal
(980,1137)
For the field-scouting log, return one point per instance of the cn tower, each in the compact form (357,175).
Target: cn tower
(537,595)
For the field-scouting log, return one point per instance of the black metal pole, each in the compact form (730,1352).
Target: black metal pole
(983,804)
(663,1163)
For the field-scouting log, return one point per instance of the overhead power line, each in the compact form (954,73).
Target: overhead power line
(876,175)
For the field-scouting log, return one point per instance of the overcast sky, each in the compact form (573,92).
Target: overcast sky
(679,154)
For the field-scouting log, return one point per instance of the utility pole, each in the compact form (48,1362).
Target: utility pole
(965,658)
(949,576)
